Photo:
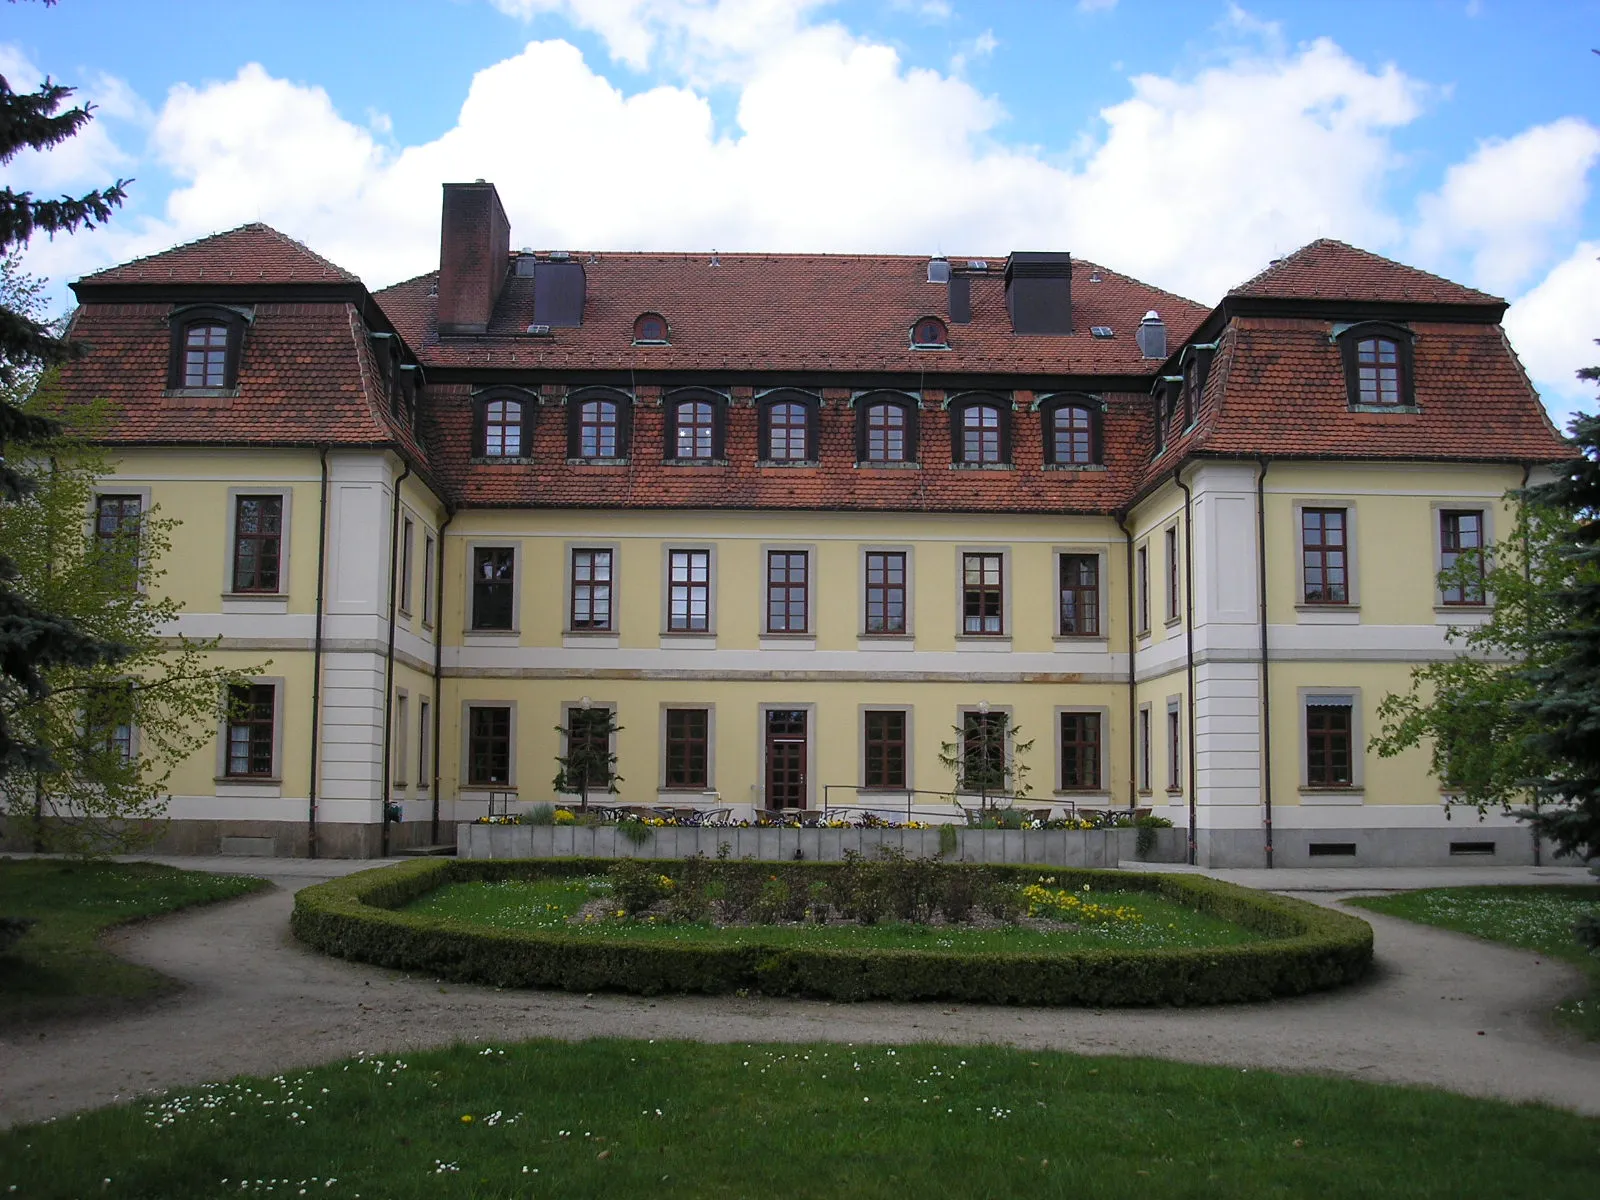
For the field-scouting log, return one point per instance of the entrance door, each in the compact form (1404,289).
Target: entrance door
(786,758)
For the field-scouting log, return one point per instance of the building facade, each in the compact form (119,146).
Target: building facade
(801,526)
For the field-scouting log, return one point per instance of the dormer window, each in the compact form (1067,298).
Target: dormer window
(886,429)
(650,329)
(597,425)
(694,426)
(929,333)
(980,429)
(502,432)
(788,427)
(1072,432)
(206,340)
(1377,366)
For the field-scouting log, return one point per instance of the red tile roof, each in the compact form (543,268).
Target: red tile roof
(794,312)
(1330,270)
(253,253)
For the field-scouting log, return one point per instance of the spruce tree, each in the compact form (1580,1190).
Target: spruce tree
(1565,706)
(34,639)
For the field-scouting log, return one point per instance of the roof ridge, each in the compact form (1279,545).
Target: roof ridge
(1298,256)
(262,227)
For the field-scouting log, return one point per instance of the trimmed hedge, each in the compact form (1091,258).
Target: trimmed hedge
(1308,948)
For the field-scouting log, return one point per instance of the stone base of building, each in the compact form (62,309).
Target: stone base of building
(274,839)
(1466,845)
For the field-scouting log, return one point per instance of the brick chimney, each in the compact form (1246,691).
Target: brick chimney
(474,256)
(1039,291)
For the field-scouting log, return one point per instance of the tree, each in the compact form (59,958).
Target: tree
(987,756)
(1565,680)
(35,640)
(110,730)
(589,762)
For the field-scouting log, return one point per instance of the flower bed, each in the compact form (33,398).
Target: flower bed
(1301,947)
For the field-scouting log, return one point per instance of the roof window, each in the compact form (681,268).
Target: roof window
(929,333)
(1102,331)
(650,329)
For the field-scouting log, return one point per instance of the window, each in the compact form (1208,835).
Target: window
(402,729)
(204,348)
(650,330)
(424,737)
(886,430)
(116,532)
(787,591)
(1325,566)
(494,577)
(929,333)
(597,424)
(205,356)
(1080,751)
(1142,583)
(251,712)
(1461,537)
(1329,741)
(428,551)
(687,749)
(694,429)
(488,746)
(1080,595)
(591,591)
(886,592)
(788,427)
(1174,600)
(1174,748)
(884,748)
(1071,436)
(588,749)
(982,594)
(689,591)
(108,721)
(1144,748)
(257,543)
(502,428)
(983,751)
(408,535)
(1377,365)
(980,434)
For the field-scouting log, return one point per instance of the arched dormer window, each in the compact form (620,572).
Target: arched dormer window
(696,422)
(1377,365)
(505,419)
(206,342)
(1072,431)
(599,425)
(980,430)
(788,427)
(650,329)
(886,429)
(929,333)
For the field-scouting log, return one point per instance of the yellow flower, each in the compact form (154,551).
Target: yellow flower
(466,1119)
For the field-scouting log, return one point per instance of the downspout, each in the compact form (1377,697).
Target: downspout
(1266,670)
(1133,700)
(316,659)
(1188,604)
(388,669)
(438,667)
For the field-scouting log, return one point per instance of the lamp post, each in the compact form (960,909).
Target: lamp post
(983,751)
(583,757)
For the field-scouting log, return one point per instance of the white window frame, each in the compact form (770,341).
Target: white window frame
(668,549)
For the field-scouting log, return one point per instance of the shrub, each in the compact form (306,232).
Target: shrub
(948,841)
(910,885)
(635,831)
(1308,948)
(771,904)
(540,814)
(637,886)
(958,892)
(1144,840)
(691,899)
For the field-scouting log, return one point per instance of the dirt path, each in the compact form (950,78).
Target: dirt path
(1442,1009)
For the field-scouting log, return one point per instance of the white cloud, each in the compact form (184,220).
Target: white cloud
(92,158)
(1506,205)
(1554,327)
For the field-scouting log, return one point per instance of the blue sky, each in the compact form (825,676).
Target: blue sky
(1186,143)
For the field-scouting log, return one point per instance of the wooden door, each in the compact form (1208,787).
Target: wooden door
(786,758)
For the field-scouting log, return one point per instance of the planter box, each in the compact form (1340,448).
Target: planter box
(1044,847)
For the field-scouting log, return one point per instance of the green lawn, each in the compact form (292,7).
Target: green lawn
(1535,918)
(631,1118)
(58,968)
(546,904)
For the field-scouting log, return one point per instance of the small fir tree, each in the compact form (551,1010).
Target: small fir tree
(988,757)
(589,763)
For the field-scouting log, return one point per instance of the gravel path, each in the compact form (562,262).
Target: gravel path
(1441,1009)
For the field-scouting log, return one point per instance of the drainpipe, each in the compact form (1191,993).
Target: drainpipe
(438,666)
(1133,700)
(1266,670)
(1188,622)
(388,669)
(316,659)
